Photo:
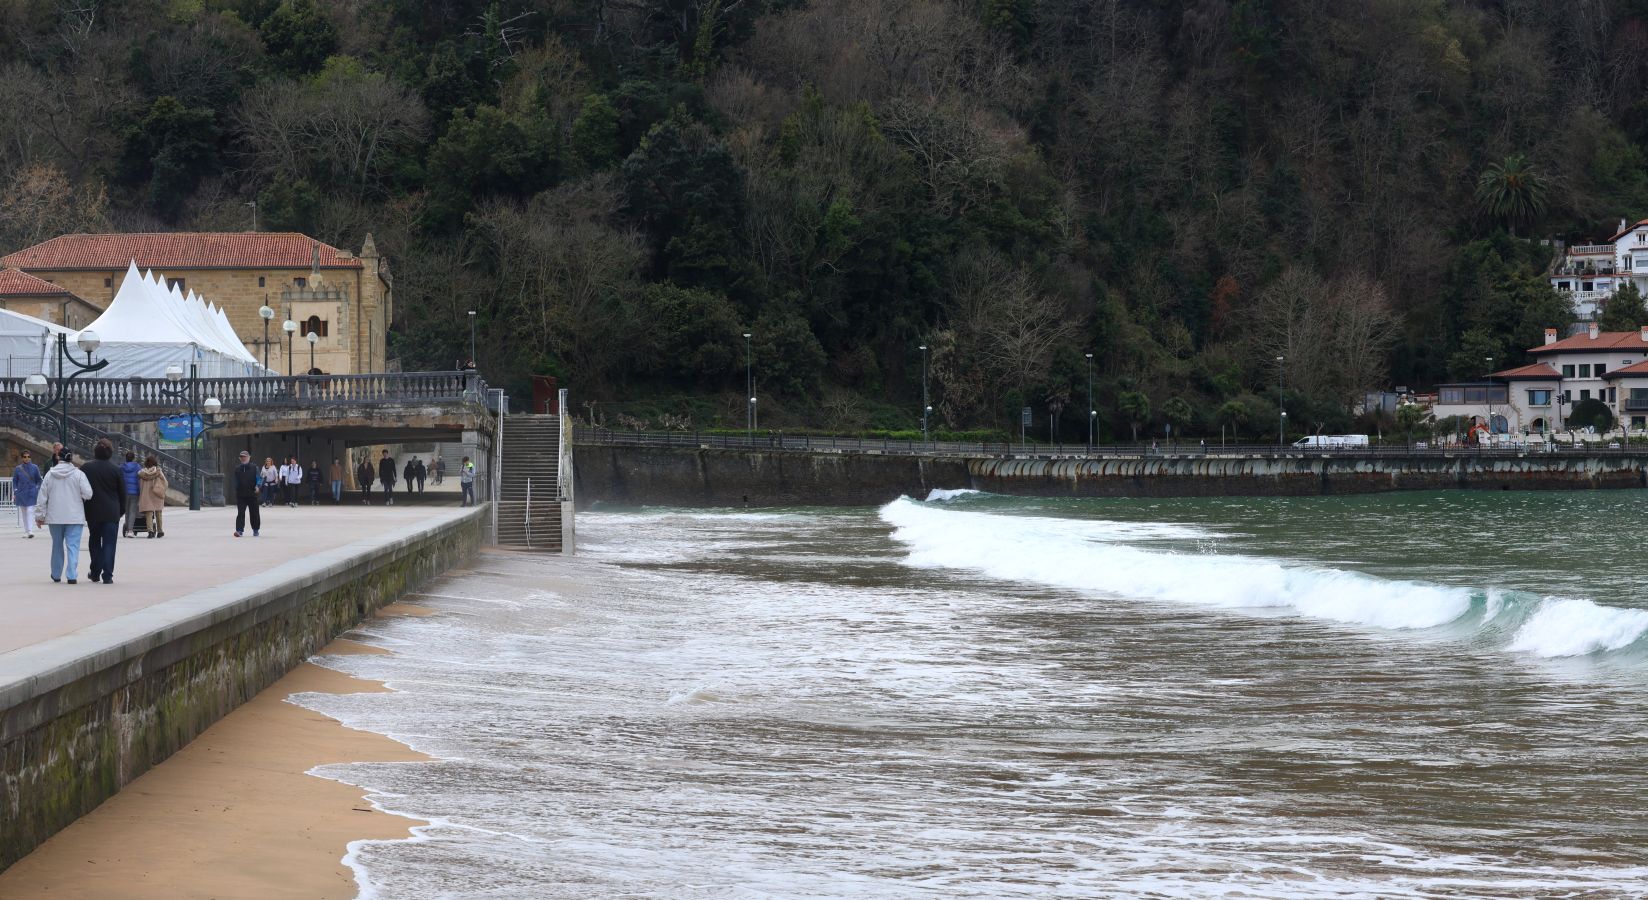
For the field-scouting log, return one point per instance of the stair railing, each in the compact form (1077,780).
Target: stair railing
(528,516)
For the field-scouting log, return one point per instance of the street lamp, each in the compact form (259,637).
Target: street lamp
(1488,392)
(36,386)
(291,328)
(472,336)
(197,426)
(1281,418)
(265,313)
(311,337)
(926,409)
(1092,413)
(749,389)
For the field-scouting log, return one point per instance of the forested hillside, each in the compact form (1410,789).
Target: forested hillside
(1187,190)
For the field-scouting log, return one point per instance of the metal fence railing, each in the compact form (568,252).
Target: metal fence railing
(82,437)
(587,436)
(143,394)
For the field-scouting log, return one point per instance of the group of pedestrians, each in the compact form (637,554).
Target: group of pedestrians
(289,482)
(411,477)
(91,500)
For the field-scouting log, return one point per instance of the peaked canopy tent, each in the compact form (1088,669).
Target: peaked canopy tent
(149,327)
(28,345)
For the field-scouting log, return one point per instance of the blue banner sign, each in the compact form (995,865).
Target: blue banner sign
(175,431)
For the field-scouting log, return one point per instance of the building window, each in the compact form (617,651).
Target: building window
(1584,395)
(176,283)
(1599,369)
(1586,285)
(1562,286)
(1567,396)
(1612,396)
(315,324)
(108,282)
(1539,398)
(260,281)
(1567,371)
(300,282)
(1585,370)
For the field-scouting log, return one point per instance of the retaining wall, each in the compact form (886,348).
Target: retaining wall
(721,477)
(83,715)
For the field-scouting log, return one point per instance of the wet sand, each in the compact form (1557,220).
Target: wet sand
(233,814)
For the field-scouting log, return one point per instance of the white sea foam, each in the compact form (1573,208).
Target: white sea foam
(1086,555)
(940,495)
(1572,627)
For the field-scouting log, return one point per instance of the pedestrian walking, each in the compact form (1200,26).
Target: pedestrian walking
(407,475)
(244,480)
(151,496)
(62,509)
(292,478)
(311,477)
(103,511)
(128,471)
(420,472)
(25,491)
(440,470)
(268,481)
(386,477)
(364,476)
(337,482)
(466,479)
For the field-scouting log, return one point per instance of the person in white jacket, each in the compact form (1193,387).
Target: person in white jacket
(63,495)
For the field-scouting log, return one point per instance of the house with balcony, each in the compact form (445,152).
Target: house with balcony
(1588,274)
(1609,366)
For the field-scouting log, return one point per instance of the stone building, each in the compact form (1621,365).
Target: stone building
(23,293)
(346,299)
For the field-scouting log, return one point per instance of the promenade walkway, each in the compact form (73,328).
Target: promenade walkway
(199,551)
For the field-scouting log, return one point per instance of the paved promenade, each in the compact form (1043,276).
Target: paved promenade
(199,551)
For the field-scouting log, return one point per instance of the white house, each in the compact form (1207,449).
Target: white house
(1610,366)
(1590,273)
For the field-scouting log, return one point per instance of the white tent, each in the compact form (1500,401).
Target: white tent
(149,327)
(27,345)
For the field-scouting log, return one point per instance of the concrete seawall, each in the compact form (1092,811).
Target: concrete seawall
(726,477)
(83,714)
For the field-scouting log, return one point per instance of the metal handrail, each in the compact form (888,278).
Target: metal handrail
(83,436)
(588,436)
(276,391)
(527,516)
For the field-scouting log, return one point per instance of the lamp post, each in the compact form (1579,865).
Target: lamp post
(291,328)
(1281,409)
(472,336)
(266,314)
(1092,414)
(36,385)
(311,337)
(1488,393)
(749,389)
(191,396)
(926,409)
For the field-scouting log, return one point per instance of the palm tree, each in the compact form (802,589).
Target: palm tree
(1511,190)
(1135,406)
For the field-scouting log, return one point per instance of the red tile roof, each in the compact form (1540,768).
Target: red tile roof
(1640,368)
(1606,342)
(21,284)
(1541,371)
(1628,230)
(182,250)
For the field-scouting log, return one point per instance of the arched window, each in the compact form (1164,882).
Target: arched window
(315,324)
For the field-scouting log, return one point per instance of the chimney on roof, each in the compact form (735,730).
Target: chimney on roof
(1550,335)
(1644,334)
(1596,331)
(1622,226)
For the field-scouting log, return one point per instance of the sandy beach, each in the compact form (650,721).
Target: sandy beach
(233,814)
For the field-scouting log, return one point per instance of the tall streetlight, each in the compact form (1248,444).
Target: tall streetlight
(1488,392)
(472,336)
(749,389)
(311,337)
(265,313)
(291,328)
(1281,409)
(1092,414)
(35,385)
(926,408)
(191,395)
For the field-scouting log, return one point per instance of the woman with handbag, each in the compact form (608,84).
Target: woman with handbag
(151,499)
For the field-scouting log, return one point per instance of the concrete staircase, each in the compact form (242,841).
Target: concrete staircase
(531,454)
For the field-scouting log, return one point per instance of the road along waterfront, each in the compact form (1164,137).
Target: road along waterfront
(1409,695)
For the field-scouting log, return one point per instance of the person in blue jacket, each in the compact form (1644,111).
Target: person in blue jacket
(25,490)
(128,474)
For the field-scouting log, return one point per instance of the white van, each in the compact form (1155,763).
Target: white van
(1332,442)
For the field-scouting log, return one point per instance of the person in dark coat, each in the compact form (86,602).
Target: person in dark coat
(245,482)
(386,477)
(311,477)
(128,471)
(104,510)
(419,472)
(25,491)
(364,476)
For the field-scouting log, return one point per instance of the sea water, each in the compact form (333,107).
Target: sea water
(966,695)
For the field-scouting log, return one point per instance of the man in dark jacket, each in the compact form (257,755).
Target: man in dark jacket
(104,510)
(364,476)
(245,481)
(386,477)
